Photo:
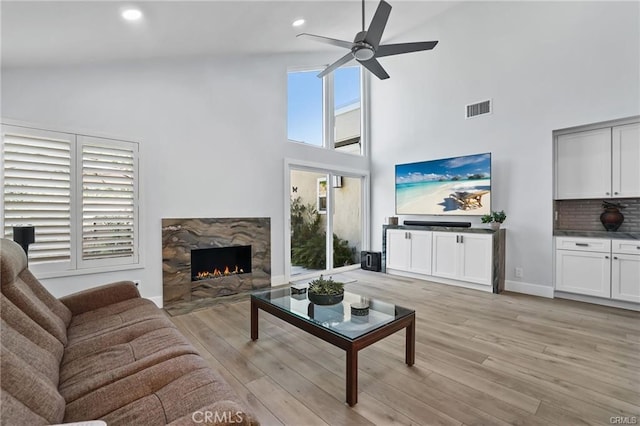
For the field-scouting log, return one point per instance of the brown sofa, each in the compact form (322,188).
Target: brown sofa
(104,353)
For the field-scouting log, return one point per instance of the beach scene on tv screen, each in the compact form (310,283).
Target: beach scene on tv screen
(451,186)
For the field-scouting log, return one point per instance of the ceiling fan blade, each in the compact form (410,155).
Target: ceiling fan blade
(340,62)
(379,21)
(327,40)
(374,66)
(397,49)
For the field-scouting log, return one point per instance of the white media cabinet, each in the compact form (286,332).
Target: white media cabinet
(465,257)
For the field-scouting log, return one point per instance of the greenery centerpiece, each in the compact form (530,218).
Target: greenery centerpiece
(494,219)
(325,291)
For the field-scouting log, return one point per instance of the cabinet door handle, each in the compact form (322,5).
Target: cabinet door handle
(582,244)
(616,193)
(462,239)
(457,239)
(606,257)
(615,257)
(607,193)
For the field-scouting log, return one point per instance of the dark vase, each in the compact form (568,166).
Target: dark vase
(611,218)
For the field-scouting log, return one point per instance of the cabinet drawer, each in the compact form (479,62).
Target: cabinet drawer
(583,244)
(625,246)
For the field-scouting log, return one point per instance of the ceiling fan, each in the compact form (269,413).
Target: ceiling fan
(366,47)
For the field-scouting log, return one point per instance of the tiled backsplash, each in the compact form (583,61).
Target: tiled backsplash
(584,215)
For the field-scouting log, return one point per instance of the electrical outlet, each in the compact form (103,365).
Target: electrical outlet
(519,272)
(137,283)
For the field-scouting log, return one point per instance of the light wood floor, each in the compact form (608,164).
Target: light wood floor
(481,359)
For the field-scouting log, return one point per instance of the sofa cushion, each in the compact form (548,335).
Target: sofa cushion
(148,408)
(123,392)
(125,334)
(30,387)
(100,321)
(87,374)
(13,260)
(196,389)
(39,360)
(15,412)
(20,286)
(28,328)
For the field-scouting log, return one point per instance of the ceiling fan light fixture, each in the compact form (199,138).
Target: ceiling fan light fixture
(298,22)
(363,52)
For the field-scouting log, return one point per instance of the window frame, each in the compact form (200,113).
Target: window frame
(328,111)
(76,265)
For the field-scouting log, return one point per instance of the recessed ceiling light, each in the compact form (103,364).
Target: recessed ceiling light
(298,22)
(132,14)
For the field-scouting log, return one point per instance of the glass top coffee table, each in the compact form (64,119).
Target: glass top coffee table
(337,325)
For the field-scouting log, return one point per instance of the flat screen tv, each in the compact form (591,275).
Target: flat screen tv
(457,186)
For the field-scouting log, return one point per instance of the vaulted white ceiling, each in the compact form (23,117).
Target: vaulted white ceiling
(72,32)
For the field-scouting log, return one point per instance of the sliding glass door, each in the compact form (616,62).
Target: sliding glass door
(326,221)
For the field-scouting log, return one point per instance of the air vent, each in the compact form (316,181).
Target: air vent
(479,108)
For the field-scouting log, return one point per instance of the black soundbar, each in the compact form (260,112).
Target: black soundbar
(430,223)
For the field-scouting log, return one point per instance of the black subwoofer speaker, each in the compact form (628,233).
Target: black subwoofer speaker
(371,260)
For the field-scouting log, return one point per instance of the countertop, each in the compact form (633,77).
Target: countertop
(441,228)
(599,234)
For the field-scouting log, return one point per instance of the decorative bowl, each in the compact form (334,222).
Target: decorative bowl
(325,299)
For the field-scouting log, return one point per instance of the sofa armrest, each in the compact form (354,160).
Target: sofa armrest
(98,297)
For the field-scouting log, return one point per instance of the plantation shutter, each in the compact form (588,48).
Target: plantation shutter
(109,201)
(37,190)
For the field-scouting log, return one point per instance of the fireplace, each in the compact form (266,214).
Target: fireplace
(210,263)
(232,256)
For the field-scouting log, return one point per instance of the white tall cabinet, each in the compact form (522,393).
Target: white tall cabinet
(600,163)
(592,164)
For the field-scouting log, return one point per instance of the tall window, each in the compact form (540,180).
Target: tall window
(326,112)
(79,192)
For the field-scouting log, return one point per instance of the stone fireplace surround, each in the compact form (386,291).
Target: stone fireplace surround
(180,236)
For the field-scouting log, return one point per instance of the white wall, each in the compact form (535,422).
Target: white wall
(212,137)
(546,65)
(214,130)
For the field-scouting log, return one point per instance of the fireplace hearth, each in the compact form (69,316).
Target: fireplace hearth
(206,258)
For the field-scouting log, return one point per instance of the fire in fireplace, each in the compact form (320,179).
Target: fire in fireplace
(220,262)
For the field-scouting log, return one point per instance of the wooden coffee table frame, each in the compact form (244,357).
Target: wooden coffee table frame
(351,346)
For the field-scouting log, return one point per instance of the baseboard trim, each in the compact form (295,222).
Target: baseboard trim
(598,301)
(440,280)
(157,300)
(529,288)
